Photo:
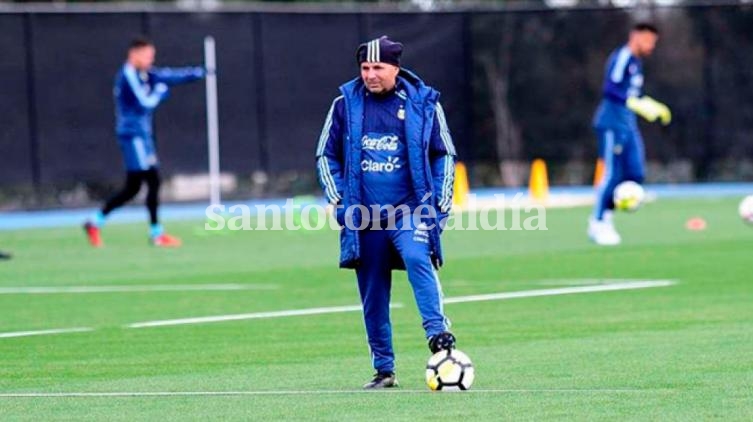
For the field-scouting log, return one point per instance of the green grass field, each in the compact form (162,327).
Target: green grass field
(682,352)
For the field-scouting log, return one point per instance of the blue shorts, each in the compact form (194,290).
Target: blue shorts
(139,152)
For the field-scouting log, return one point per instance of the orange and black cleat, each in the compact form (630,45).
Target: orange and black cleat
(166,241)
(92,232)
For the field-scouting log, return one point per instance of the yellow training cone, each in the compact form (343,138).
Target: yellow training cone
(538,184)
(461,188)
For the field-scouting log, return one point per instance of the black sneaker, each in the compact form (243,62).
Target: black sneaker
(442,341)
(382,380)
(5,255)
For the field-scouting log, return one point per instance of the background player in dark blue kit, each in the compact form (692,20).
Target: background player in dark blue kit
(620,142)
(385,144)
(139,89)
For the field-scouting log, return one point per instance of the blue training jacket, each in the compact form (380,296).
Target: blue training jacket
(431,161)
(137,94)
(623,79)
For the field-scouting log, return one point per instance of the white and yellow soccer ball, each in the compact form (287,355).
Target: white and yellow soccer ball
(746,209)
(628,196)
(449,370)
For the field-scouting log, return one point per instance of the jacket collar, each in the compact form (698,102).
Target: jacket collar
(408,81)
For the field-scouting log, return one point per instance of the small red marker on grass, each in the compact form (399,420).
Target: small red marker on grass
(696,224)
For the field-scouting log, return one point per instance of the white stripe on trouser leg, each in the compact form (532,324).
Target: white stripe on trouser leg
(445,321)
(366,330)
(608,169)
(138,145)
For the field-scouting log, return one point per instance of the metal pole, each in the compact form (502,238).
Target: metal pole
(213,135)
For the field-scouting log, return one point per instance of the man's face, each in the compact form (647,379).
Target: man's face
(644,41)
(142,58)
(379,77)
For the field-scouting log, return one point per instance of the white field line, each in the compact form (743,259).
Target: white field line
(255,315)
(460,299)
(357,308)
(561,291)
(322,392)
(562,282)
(134,289)
(45,332)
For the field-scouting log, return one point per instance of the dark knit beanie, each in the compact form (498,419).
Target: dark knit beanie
(380,50)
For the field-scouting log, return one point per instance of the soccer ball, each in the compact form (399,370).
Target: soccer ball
(628,196)
(746,209)
(449,370)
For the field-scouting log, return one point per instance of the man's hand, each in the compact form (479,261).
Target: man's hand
(160,88)
(650,109)
(201,72)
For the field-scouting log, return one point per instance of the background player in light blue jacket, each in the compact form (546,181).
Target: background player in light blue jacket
(620,142)
(139,89)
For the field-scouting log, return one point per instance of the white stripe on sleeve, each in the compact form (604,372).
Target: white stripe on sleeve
(618,69)
(327,126)
(146,100)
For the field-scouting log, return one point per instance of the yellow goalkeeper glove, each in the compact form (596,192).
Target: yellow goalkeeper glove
(650,109)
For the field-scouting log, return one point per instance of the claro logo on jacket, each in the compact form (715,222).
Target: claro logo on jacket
(389,166)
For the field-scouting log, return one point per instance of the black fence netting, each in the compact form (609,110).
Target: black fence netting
(516,85)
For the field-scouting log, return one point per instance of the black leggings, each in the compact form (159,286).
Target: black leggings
(134,179)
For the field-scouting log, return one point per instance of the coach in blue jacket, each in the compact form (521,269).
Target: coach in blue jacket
(386,160)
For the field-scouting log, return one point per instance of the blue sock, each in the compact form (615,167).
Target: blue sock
(156,230)
(98,220)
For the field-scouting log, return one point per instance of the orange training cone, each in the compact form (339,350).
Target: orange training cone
(461,187)
(599,172)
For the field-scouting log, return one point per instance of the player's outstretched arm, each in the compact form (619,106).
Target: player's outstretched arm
(146,98)
(330,160)
(178,75)
(650,109)
(442,159)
